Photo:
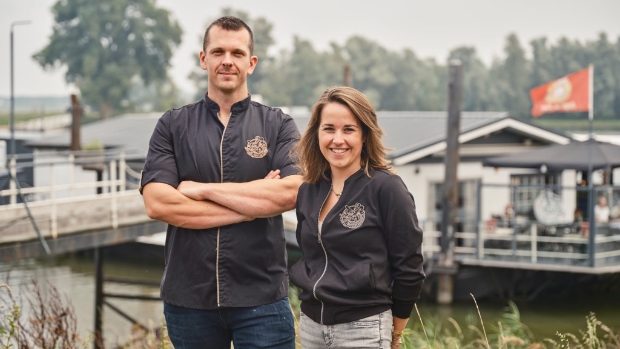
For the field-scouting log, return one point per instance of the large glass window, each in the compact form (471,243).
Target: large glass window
(525,196)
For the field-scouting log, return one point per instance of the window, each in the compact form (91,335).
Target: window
(531,184)
(466,205)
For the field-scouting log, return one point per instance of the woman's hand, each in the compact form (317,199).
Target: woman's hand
(396,339)
(397,331)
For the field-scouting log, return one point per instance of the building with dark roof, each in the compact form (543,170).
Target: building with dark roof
(418,143)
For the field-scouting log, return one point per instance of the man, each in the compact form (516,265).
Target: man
(601,211)
(213,174)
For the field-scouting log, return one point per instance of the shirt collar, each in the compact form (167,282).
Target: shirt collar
(236,108)
(358,173)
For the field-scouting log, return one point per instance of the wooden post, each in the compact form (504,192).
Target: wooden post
(71,174)
(12,185)
(534,235)
(98,335)
(76,121)
(513,244)
(122,172)
(113,184)
(99,179)
(54,215)
(347,78)
(450,186)
(592,223)
(479,239)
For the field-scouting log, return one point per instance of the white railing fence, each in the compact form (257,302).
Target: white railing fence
(525,245)
(71,178)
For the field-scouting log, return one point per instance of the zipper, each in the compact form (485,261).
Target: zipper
(217,248)
(324,251)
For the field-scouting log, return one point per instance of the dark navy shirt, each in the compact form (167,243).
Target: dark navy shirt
(238,265)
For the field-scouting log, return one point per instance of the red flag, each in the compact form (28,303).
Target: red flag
(567,94)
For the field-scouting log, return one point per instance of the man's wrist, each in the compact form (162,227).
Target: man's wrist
(205,188)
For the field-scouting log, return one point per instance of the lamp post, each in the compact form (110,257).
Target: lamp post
(12,117)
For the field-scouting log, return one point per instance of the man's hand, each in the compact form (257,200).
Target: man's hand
(165,203)
(192,190)
(197,190)
(261,198)
(275,174)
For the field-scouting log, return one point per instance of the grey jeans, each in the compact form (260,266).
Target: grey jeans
(371,332)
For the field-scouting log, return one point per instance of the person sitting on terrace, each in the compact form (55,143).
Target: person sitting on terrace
(601,211)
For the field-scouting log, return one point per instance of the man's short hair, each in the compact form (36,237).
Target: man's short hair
(229,23)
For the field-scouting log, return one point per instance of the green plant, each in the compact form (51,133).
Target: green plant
(8,328)
(47,320)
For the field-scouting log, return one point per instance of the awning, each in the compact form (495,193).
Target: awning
(574,156)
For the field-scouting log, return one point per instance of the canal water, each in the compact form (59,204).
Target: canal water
(73,276)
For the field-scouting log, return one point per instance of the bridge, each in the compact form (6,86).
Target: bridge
(71,205)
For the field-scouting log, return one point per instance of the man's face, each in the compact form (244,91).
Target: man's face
(227,59)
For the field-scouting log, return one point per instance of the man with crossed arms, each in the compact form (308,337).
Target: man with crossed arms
(219,173)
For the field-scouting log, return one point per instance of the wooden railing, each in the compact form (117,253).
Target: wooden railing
(70,199)
(527,247)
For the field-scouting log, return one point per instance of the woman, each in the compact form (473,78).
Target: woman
(361,270)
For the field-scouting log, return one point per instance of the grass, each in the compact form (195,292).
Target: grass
(51,324)
(507,332)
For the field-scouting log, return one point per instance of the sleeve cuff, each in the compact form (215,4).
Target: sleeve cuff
(290,171)
(402,309)
(148,177)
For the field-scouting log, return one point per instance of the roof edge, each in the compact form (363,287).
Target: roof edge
(408,155)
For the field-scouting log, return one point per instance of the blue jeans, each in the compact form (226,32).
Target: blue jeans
(265,326)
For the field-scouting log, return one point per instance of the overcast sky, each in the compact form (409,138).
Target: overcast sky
(430,27)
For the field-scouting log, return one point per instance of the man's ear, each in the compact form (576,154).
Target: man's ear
(253,63)
(203,60)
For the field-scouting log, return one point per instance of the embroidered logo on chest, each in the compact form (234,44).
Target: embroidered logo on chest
(353,216)
(257,147)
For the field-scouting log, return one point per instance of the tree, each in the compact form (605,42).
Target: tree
(512,78)
(542,63)
(479,93)
(158,97)
(107,45)
(606,59)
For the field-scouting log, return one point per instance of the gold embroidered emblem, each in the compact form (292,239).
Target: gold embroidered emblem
(257,147)
(353,216)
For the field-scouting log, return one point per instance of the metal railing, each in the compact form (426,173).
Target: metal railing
(524,239)
(68,178)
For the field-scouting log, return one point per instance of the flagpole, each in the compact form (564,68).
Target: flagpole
(591,201)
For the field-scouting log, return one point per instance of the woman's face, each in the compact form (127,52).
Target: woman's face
(341,138)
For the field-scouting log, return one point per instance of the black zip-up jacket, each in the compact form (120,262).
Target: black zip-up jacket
(367,258)
(237,265)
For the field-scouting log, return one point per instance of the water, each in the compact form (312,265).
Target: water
(73,275)
(544,319)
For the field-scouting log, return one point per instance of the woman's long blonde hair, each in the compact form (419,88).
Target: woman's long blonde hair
(313,164)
